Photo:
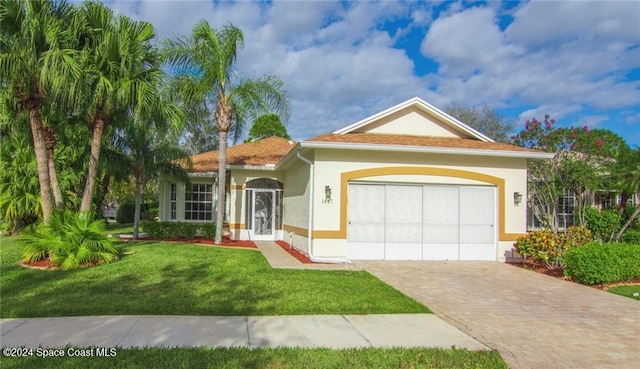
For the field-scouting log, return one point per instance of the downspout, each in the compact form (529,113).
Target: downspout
(310,216)
(310,225)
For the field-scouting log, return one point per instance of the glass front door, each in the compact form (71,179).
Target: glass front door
(263,214)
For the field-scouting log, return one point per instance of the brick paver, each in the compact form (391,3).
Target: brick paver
(535,321)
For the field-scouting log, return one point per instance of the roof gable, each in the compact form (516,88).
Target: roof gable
(414,117)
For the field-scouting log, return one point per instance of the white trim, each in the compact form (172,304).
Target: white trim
(424,149)
(202,174)
(423,105)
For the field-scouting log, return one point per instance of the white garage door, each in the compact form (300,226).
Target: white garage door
(430,222)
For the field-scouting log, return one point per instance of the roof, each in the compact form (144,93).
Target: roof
(418,103)
(373,141)
(265,152)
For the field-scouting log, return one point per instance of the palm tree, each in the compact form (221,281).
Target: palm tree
(147,153)
(122,74)
(628,177)
(36,63)
(205,70)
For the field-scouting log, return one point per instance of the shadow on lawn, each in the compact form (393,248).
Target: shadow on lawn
(192,289)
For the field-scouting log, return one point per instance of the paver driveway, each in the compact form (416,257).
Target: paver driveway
(535,321)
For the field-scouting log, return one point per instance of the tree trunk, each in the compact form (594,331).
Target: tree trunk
(222,179)
(51,141)
(87,196)
(626,225)
(106,181)
(35,120)
(138,205)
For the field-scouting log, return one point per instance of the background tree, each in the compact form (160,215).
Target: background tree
(200,132)
(582,164)
(204,65)
(267,125)
(484,119)
(148,153)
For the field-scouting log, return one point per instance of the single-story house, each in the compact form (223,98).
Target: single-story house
(408,183)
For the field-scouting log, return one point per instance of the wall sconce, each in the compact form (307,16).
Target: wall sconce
(327,195)
(517,198)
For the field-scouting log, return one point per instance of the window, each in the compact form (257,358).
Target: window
(173,201)
(566,205)
(565,208)
(198,204)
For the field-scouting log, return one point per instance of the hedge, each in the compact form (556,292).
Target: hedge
(603,263)
(177,229)
(631,236)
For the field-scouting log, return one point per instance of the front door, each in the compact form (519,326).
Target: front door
(263,214)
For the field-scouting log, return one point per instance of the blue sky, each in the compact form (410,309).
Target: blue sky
(578,61)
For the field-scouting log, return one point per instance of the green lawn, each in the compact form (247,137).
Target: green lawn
(272,358)
(182,279)
(627,291)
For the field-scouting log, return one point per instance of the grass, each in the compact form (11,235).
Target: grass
(117,228)
(183,279)
(626,290)
(195,358)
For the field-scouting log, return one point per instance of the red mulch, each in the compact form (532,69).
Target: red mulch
(558,273)
(226,241)
(295,253)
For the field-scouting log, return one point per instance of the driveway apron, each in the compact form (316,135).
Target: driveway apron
(535,321)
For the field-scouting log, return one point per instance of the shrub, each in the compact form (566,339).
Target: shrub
(208,230)
(177,229)
(603,263)
(632,236)
(604,224)
(70,240)
(125,213)
(547,247)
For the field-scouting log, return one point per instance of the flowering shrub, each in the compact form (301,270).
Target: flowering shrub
(547,247)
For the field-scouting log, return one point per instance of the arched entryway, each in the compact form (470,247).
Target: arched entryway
(264,209)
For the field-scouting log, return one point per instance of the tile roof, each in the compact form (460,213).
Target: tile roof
(257,153)
(420,141)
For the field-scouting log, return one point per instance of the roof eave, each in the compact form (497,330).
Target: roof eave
(423,149)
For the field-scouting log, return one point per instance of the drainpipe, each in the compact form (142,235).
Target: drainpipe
(310,216)
(310,225)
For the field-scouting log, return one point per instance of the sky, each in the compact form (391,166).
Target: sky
(578,61)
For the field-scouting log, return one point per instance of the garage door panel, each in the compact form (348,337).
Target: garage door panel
(440,205)
(403,251)
(365,251)
(366,203)
(366,232)
(440,251)
(440,233)
(477,252)
(476,233)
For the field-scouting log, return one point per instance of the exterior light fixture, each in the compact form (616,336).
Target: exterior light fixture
(517,198)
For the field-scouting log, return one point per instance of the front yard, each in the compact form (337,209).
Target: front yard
(182,279)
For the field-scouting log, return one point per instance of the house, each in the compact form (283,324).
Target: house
(408,183)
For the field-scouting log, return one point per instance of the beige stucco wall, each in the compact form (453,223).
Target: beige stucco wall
(296,205)
(411,121)
(330,164)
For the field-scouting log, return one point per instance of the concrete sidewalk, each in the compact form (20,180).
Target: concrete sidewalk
(308,331)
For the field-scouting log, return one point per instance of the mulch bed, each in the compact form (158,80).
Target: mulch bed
(295,253)
(226,241)
(558,273)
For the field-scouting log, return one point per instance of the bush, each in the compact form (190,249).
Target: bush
(603,263)
(208,230)
(632,236)
(125,213)
(604,224)
(70,240)
(547,247)
(177,229)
